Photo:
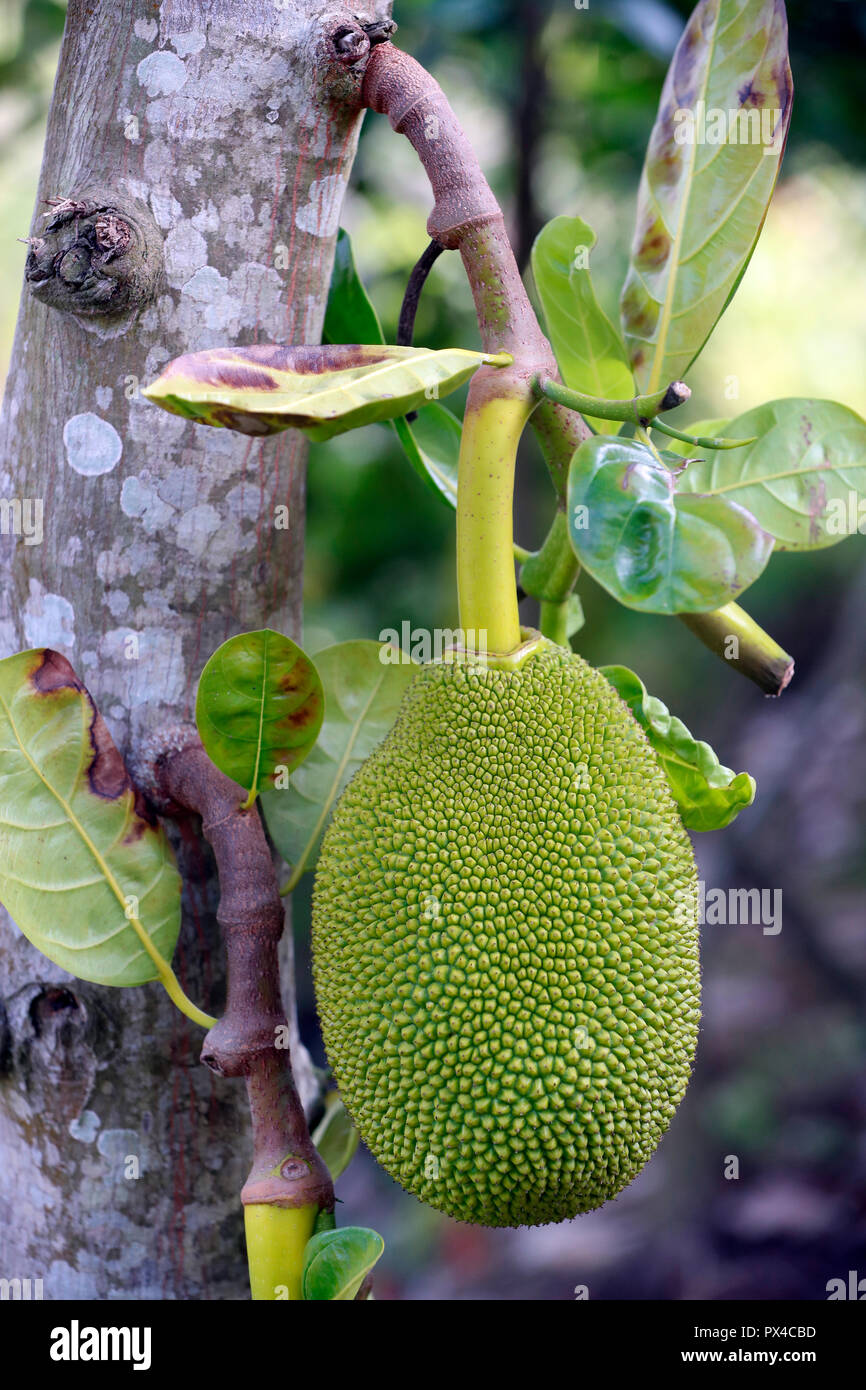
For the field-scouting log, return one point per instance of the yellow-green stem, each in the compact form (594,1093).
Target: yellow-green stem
(276,1240)
(486,589)
(171,985)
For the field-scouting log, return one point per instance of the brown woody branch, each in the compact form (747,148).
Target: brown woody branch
(251,1038)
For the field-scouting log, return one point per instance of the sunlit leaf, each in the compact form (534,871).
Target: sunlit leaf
(803,479)
(350,316)
(652,547)
(335,1136)
(703,198)
(589,350)
(323,391)
(336,1263)
(362,697)
(259,708)
(709,795)
(86,873)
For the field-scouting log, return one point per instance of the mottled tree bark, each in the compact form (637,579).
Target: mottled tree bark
(219,135)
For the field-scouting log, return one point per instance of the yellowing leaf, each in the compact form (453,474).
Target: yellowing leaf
(321,390)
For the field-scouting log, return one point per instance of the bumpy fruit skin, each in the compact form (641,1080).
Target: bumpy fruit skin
(505,944)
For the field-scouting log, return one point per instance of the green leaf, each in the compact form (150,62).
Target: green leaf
(432,446)
(259,708)
(362,697)
(335,1136)
(709,795)
(350,316)
(652,547)
(589,350)
(336,1263)
(87,875)
(701,205)
(802,479)
(323,391)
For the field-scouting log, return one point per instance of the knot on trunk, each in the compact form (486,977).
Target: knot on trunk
(98,256)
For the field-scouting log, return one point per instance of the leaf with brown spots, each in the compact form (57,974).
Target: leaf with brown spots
(88,878)
(707,181)
(803,479)
(259,708)
(321,390)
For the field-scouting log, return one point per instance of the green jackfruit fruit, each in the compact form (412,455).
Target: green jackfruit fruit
(505,943)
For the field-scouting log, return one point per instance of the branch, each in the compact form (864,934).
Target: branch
(738,640)
(466,217)
(287,1170)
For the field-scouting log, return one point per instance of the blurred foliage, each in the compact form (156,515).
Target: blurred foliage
(559,103)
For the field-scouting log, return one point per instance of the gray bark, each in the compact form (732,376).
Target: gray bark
(222,122)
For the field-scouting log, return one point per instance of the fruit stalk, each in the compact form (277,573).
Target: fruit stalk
(487,595)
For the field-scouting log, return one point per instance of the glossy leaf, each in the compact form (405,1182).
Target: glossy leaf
(336,1263)
(87,875)
(323,391)
(350,316)
(803,479)
(259,708)
(708,795)
(432,446)
(589,350)
(362,697)
(703,200)
(335,1136)
(652,547)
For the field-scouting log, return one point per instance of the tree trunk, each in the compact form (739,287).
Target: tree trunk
(218,137)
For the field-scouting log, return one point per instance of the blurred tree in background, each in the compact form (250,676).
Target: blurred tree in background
(559,102)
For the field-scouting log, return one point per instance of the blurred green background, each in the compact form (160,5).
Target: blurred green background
(559,103)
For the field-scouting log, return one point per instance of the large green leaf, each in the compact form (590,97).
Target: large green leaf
(323,391)
(701,205)
(336,1263)
(652,547)
(803,478)
(709,795)
(350,316)
(362,697)
(259,708)
(589,350)
(88,876)
(335,1136)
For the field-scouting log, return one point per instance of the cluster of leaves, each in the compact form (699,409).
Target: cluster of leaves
(668,531)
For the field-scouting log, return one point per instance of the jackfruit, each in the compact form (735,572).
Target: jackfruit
(505,943)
